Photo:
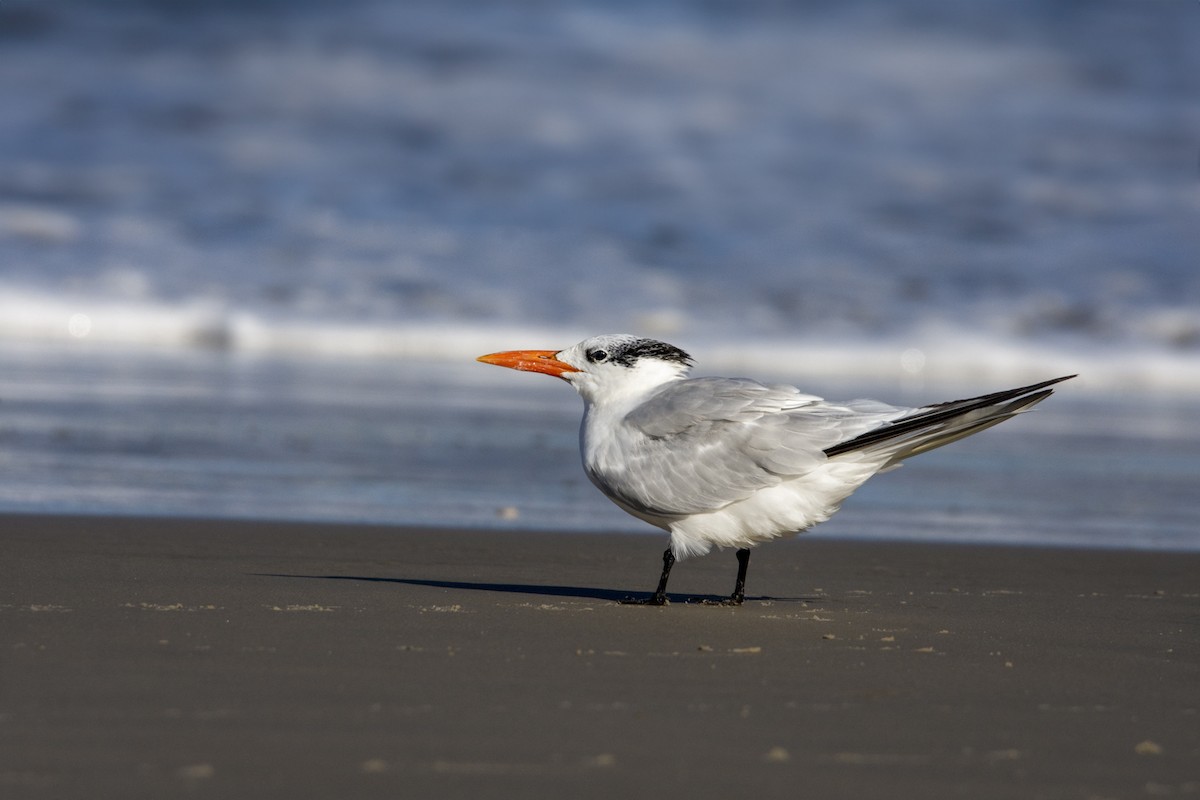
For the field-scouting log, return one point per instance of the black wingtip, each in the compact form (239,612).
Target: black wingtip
(940,412)
(996,397)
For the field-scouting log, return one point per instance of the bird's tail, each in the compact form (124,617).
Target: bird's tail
(933,426)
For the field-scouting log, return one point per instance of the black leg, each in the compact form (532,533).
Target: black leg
(659,597)
(739,587)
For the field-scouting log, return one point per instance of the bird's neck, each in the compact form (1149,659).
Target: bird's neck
(621,399)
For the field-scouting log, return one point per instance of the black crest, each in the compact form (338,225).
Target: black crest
(627,353)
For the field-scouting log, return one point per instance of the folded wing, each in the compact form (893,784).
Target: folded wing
(702,444)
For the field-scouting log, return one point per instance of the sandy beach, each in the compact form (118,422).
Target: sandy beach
(157,658)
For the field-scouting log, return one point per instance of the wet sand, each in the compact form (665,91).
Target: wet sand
(158,658)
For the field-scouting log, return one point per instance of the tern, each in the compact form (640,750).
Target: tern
(731,462)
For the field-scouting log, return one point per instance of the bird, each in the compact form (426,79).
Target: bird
(732,462)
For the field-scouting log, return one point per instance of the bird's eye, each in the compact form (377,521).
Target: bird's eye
(596,356)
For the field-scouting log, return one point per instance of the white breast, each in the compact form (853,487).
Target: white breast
(779,511)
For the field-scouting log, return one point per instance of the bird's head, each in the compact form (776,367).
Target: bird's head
(603,367)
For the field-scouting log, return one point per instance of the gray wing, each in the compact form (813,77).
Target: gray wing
(707,442)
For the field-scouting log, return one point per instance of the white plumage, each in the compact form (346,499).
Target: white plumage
(730,462)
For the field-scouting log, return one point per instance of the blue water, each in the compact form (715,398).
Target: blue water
(999,177)
(248,250)
(217,435)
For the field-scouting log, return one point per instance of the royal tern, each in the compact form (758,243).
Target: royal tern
(729,461)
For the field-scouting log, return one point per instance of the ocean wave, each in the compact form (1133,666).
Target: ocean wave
(891,193)
(934,354)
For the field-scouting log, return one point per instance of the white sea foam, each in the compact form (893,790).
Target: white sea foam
(939,357)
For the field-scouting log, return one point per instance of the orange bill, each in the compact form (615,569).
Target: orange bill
(543,361)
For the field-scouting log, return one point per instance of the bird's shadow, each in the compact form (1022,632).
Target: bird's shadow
(582,592)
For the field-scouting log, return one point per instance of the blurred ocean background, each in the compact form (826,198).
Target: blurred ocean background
(249,250)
